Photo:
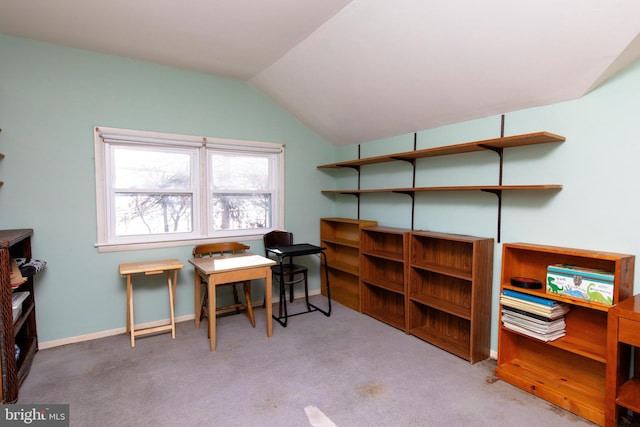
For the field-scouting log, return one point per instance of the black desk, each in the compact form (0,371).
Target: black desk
(300,249)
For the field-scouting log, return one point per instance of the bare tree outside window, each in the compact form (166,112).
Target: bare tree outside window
(151,204)
(241,196)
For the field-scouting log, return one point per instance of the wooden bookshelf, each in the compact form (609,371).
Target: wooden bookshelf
(570,371)
(384,272)
(341,237)
(449,302)
(23,331)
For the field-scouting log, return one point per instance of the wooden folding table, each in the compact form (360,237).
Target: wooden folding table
(171,266)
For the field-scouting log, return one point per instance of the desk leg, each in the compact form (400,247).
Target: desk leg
(130,322)
(172,295)
(282,303)
(326,272)
(283,297)
(211,288)
(267,293)
(196,288)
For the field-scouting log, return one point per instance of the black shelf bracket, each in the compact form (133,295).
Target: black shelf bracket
(500,152)
(358,195)
(498,193)
(411,194)
(413,182)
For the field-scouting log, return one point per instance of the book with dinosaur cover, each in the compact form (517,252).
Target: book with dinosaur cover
(578,282)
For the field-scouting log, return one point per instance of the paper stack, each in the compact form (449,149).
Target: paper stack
(534,316)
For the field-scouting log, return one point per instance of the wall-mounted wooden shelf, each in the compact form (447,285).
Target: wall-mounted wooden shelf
(496,145)
(487,188)
(470,147)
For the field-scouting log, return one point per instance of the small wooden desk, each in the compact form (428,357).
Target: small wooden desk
(228,269)
(171,266)
(623,391)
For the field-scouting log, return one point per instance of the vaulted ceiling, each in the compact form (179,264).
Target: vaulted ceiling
(361,70)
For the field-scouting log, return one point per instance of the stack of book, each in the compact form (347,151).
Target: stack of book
(534,316)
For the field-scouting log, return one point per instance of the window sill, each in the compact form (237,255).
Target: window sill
(122,247)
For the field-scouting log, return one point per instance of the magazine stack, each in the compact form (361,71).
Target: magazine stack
(534,316)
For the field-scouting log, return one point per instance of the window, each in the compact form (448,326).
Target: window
(156,189)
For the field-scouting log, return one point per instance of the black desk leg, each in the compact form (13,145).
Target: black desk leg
(283,298)
(326,276)
(283,319)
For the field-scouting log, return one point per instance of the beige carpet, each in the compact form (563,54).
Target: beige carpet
(346,370)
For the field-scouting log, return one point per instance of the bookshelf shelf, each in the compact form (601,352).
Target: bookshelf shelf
(560,298)
(553,385)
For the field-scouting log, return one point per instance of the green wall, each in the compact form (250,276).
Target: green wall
(598,166)
(51,98)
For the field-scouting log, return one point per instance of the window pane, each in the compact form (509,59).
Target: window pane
(144,213)
(153,187)
(239,172)
(241,211)
(149,169)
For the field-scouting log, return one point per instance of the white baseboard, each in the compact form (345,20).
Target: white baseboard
(111,332)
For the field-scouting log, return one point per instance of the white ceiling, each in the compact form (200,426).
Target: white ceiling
(361,70)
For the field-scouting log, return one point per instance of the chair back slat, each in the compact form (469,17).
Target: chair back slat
(215,249)
(277,238)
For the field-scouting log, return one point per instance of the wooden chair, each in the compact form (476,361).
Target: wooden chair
(292,273)
(219,249)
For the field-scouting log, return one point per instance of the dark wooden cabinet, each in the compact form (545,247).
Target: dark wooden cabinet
(22,332)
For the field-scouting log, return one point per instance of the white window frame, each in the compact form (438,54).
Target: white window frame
(107,137)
